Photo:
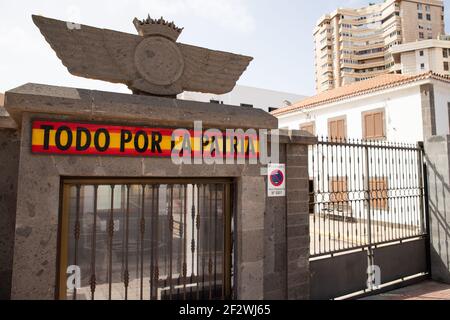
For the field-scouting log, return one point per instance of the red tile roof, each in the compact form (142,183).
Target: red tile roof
(378,83)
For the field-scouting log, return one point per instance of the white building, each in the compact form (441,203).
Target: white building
(423,56)
(267,100)
(388,107)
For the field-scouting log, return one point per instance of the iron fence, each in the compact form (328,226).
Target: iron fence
(143,239)
(364,193)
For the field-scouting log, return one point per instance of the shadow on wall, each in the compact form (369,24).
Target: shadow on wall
(438,165)
(9,166)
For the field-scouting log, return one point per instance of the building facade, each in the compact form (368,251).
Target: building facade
(245,96)
(356,44)
(388,107)
(362,127)
(423,56)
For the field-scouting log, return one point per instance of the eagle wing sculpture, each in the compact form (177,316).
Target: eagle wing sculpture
(149,63)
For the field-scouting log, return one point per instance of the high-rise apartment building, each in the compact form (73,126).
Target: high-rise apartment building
(423,56)
(355,44)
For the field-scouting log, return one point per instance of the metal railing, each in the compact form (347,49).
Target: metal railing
(364,193)
(147,239)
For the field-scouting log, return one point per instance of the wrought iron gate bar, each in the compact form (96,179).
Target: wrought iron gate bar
(110,243)
(364,193)
(141,241)
(94,242)
(147,239)
(76,233)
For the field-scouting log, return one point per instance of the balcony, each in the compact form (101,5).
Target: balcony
(379,54)
(360,45)
(370,65)
(325,44)
(362,75)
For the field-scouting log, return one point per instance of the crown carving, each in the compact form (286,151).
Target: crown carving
(157,27)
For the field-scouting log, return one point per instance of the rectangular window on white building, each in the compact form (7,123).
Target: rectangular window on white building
(308,127)
(378,193)
(337,128)
(339,188)
(373,125)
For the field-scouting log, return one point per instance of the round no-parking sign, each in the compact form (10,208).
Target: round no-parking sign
(276,180)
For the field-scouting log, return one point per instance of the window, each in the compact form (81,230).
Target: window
(421,36)
(378,193)
(373,125)
(420,16)
(308,127)
(428,17)
(337,128)
(445,53)
(421,53)
(422,66)
(339,189)
(446,66)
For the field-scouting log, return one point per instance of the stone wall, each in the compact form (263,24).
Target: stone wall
(287,225)
(275,259)
(9,163)
(272,235)
(437,150)
(297,221)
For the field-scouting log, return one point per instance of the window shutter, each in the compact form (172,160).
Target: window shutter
(369,126)
(341,129)
(374,125)
(331,131)
(308,128)
(378,125)
(336,129)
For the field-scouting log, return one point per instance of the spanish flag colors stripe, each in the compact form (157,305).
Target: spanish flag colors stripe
(95,139)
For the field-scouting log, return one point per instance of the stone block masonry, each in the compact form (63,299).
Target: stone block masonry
(437,149)
(271,235)
(9,166)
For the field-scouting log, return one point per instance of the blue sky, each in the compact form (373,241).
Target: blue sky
(278,34)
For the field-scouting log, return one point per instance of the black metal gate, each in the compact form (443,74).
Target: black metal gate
(368,219)
(146,239)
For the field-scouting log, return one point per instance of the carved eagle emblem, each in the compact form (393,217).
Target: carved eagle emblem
(151,62)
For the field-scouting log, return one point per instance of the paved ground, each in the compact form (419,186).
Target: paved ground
(328,234)
(427,290)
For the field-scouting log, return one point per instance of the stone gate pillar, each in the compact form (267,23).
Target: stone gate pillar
(9,163)
(287,238)
(437,158)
